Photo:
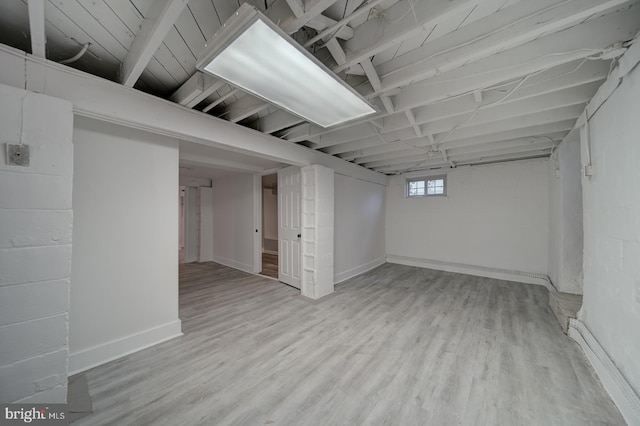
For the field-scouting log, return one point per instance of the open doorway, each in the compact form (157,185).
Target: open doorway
(270,225)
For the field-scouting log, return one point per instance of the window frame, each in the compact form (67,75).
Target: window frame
(426,180)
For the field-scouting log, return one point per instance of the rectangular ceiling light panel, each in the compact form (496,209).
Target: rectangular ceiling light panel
(250,52)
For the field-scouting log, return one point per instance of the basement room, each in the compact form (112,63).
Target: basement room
(320,212)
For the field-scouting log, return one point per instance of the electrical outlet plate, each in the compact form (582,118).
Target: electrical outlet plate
(17,155)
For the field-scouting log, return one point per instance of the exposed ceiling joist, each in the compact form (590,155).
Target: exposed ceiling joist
(36,27)
(395,149)
(289,19)
(482,39)
(439,118)
(558,78)
(536,150)
(409,18)
(199,87)
(458,140)
(408,153)
(159,20)
(245,107)
(372,75)
(221,99)
(579,42)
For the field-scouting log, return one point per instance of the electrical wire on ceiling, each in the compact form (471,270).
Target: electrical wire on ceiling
(479,38)
(77,56)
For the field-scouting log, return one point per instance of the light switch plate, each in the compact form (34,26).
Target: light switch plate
(17,155)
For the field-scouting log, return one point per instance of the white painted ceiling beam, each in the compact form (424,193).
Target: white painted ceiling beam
(477,131)
(322,22)
(489,36)
(479,148)
(282,14)
(372,75)
(454,141)
(442,118)
(201,161)
(245,107)
(277,120)
(413,123)
(110,102)
(159,20)
(395,149)
(503,155)
(36,28)
(199,87)
(403,161)
(409,19)
(558,78)
(220,100)
(525,132)
(579,42)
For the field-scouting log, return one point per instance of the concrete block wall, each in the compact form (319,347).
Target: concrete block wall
(317,231)
(35,248)
(565,216)
(611,304)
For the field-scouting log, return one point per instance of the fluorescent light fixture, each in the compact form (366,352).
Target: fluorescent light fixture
(252,53)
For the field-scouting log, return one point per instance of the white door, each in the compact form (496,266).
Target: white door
(289,242)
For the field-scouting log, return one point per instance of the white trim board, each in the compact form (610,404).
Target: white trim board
(101,354)
(480,271)
(621,392)
(234,264)
(350,273)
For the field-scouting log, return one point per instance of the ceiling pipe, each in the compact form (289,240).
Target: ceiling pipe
(77,56)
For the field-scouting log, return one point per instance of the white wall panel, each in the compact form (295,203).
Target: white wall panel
(124,294)
(493,216)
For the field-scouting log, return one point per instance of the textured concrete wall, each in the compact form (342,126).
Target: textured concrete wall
(611,306)
(35,248)
(565,216)
(317,231)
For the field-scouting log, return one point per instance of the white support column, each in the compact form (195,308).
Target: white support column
(317,231)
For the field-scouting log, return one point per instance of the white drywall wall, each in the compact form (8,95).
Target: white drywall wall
(565,216)
(611,304)
(359,226)
(233,221)
(124,280)
(493,216)
(35,248)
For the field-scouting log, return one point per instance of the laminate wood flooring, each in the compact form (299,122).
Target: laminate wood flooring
(398,345)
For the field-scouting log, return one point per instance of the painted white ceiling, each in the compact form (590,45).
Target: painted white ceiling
(457,81)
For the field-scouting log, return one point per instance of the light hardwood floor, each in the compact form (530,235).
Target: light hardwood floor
(398,345)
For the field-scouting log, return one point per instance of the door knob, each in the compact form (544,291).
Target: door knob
(299,235)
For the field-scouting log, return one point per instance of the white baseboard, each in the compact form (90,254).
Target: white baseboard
(101,354)
(350,273)
(480,271)
(233,264)
(621,392)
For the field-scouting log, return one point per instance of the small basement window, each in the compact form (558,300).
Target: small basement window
(427,186)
